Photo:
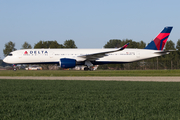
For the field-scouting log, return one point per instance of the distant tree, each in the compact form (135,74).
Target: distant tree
(178,54)
(171,57)
(3,63)
(40,44)
(178,48)
(170,45)
(141,44)
(116,43)
(48,44)
(178,45)
(113,43)
(69,44)
(26,46)
(9,47)
(54,44)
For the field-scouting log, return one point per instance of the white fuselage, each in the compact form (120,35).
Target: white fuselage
(43,56)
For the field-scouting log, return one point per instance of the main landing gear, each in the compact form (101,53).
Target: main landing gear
(87,68)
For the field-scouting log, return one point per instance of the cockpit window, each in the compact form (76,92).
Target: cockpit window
(10,54)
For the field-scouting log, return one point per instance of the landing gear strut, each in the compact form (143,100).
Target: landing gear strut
(89,65)
(14,67)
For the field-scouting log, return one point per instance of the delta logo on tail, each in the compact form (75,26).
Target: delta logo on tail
(159,42)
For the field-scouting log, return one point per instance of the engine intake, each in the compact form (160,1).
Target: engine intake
(67,63)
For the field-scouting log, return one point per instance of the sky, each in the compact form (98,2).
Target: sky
(90,23)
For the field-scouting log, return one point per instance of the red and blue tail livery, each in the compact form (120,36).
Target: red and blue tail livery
(159,42)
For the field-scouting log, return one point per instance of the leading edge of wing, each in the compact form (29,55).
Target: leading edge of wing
(95,56)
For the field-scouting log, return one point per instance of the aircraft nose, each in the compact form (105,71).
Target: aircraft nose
(5,60)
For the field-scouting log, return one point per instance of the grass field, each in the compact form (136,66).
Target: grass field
(89,100)
(92,73)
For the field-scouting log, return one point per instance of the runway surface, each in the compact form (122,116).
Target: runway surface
(155,79)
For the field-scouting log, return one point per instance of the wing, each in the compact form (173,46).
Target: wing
(95,56)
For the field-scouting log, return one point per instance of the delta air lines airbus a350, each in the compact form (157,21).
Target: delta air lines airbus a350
(69,58)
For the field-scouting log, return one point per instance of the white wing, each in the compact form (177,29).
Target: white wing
(96,56)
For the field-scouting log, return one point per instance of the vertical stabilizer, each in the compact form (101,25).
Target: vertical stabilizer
(159,42)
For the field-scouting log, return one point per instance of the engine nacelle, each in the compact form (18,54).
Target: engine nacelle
(67,63)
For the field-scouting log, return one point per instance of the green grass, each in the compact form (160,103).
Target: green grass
(92,73)
(36,99)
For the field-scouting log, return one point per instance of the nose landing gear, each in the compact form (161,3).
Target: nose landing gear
(14,67)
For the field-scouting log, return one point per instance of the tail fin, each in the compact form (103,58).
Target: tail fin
(159,42)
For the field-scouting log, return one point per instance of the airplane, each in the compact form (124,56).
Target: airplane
(69,58)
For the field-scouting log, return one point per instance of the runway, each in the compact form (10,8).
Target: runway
(133,78)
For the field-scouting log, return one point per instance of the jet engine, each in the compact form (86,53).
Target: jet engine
(67,63)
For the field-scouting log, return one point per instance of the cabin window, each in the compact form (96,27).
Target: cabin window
(10,54)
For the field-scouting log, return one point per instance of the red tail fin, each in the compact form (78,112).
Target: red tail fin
(159,42)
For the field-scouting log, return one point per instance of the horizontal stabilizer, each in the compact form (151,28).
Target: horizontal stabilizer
(165,52)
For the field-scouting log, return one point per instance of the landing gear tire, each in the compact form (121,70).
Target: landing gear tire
(86,69)
(91,69)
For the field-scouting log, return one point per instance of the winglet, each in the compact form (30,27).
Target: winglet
(122,48)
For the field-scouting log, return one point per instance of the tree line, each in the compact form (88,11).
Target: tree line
(10,46)
(171,61)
